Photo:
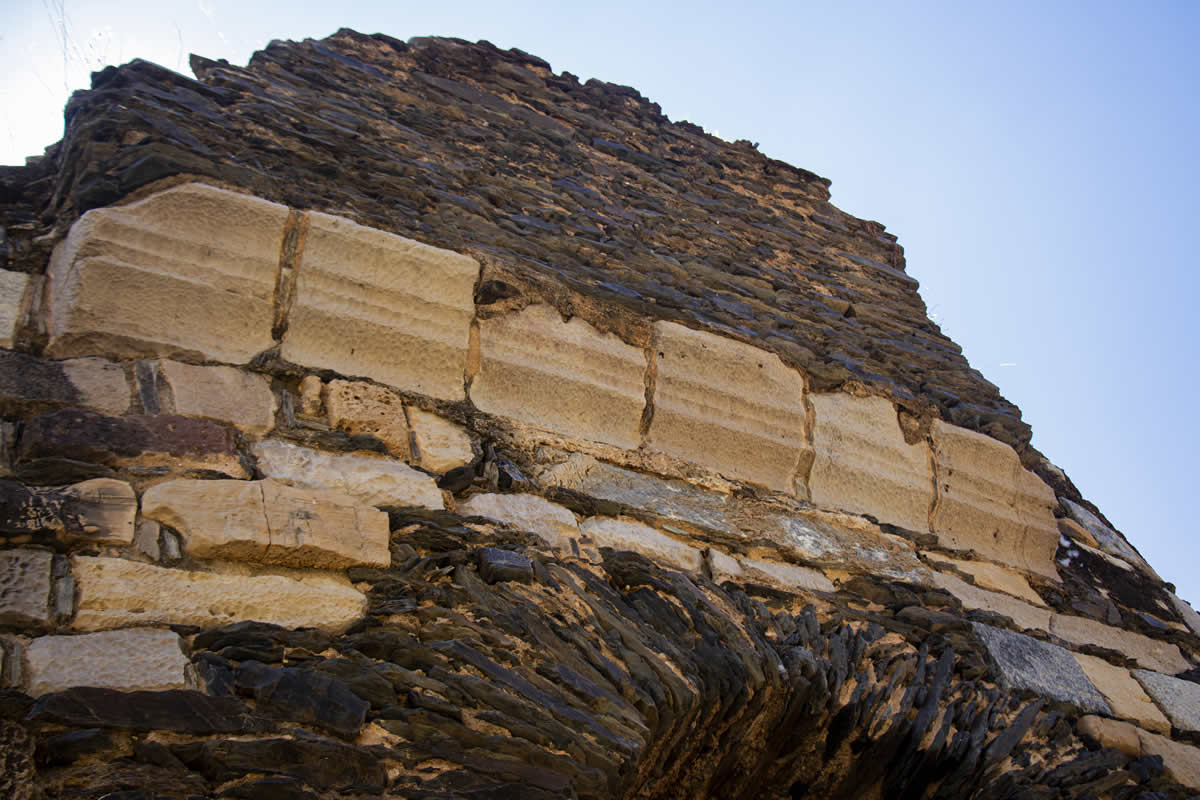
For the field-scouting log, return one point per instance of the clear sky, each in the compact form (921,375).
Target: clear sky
(1039,161)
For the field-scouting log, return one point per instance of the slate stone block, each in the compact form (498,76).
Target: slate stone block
(1180,699)
(504,565)
(1025,663)
(178,710)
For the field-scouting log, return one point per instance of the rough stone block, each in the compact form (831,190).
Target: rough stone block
(1150,653)
(972,597)
(728,406)
(989,503)
(623,534)
(1180,699)
(992,576)
(25,587)
(243,399)
(33,384)
(789,577)
(136,658)
(12,295)
(1111,733)
(114,593)
(863,465)
(376,305)
(724,567)
(562,376)
(100,510)
(189,270)
(1022,662)
(441,444)
(373,481)
(554,524)
(1182,761)
(357,407)
(504,565)
(270,522)
(1123,693)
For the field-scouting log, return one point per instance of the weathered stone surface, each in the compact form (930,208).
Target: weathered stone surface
(624,534)
(989,503)
(372,304)
(358,407)
(114,593)
(12,294)
(862,463)
(311,405)
(1076,532)
(373,481)
(189,270)
(227,394)
(1180,699)
(28,383)
(728,406)
(1124,695)
(789,577)
(270,522)
(174,710)
(1022,662)
(1106,538)
(1150,653)
(563,376)
(317,761)
(1182,761)
(100,510)
(304,696)
(441,444)
(972,597)
(993,576)
(136,658)
(724,567)
(497,565)
(25,587)
(1190,616)
(528,512)
(1111,733)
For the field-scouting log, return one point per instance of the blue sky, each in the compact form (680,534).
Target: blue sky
(1040,163)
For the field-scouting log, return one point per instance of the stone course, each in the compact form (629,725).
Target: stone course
(149,659)
(1151,653)
(1023,614)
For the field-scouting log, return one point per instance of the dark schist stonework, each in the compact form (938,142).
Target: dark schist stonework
(568,192)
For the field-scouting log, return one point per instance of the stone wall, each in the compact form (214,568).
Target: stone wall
(293,506)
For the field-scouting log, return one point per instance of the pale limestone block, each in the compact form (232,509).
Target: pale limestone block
(623,534)
(723,567)
(441,444)
(114,593)
(727,406)
(148,659)
(98,383)
(1111,733)
(12,296)
(863,465)
(227,394)
(993,576)
(270,522)
(989,503)
(553,523)
(25,587)
(562,376)
(371,480)
(1182,761)
(789,577)
(1150,653)
(187,270)
(377,305)
(357,407)
(1124,695)
(972,597)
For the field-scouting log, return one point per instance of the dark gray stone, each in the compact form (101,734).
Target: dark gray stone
(176,710)
(1022,662)
(301,695)
(504,565)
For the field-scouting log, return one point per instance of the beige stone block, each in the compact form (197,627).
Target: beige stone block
(189,270)
(441,444)
(555,524)
(243,399)
(789,577)
(371,480)
(25,587)
(98,383)
(311,389)
(1125,695)
(12,296)
(724,567)
(727,406)
(993,576)
(1149,653)
(376,305)
(1111,733)
(270,522)
(989,503)
(357,408)
(862,464)
(114,593)
(623,534)
(149,659)
(562,376)
(1182,761)
(972,597)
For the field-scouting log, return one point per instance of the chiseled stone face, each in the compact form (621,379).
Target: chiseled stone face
(115,593)
(241,398)
(989,503)
(25,587)
(149,659)
(187,270)
(358,407)
(563,376)
(377,305)
(727,406)
(863,465)
(623,534)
